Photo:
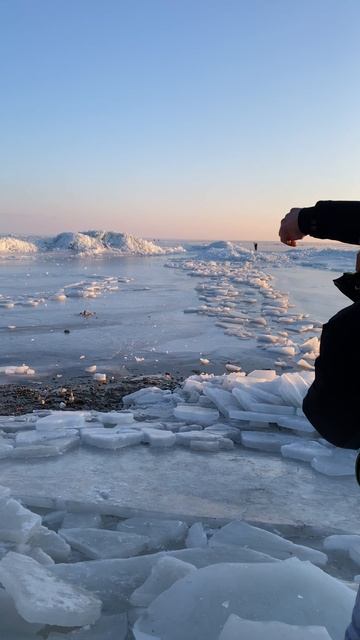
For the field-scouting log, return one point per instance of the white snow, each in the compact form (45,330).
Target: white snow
(85,243)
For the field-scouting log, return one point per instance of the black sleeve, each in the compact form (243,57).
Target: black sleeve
(333,220)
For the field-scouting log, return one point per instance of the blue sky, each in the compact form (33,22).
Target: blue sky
(176,118)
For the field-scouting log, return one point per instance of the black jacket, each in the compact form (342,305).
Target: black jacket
(333,401)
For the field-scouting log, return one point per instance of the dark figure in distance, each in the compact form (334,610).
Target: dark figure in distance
(332,403)
(255,246)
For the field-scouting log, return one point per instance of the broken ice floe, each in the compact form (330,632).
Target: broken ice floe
(241,577)
(242,300)
(208,414)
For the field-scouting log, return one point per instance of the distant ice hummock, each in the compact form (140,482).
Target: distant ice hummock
(85,243)
(224,250)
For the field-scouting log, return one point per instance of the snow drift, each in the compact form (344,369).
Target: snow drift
(85,243)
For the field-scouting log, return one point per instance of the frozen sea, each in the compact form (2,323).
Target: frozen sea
(139,324)
(220,453)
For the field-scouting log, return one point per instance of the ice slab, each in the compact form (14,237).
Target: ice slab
(246,535)
(164,573)
(12,625)
(115,580)
(101,543)
(293,389)
(51,543)
(223,400)
(107,439)
(258,592)
(202,445)
(194,413)
(114,418)
(81,520)
(296,423)
(339,463)
(236,628)
(265,441)
(305,451)
(68,420)
(17,524)
(40,597)
(160,439)
(341,542)
(159,533)
(113,627)
(196,536)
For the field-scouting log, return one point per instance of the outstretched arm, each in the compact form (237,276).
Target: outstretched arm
(331,219)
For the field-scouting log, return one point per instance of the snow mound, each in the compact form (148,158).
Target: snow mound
(13,245)
(86,243)
(224,250)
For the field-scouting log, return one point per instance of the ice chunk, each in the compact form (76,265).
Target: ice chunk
(194,608)
(297,423)
(222,399)
(163,574)
(60,420)
(341,542)
(160,439)
(245,535)
(109,439)
(17,524)
(12,625)
(263,374)
(203,445)
(41,597)
(236,628)
(148,395)
(312,345)
(81,520)
(115,580)
(113,627)
(306,450)
(25,438)
(354,553)
(282,350)
(51,543)
(100,377)
(39,555)
(193,413)
(293,389)
(161,533)
(49,449)
(196,536)
(265,441)
(101,543)
(116,417)
(338,463)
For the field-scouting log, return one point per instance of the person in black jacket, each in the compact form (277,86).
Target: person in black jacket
(332,402)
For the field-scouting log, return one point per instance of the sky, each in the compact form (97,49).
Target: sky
(195,119)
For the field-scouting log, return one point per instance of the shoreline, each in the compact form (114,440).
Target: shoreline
(78,393)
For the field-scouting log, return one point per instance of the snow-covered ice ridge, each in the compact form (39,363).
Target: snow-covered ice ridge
(207,414)
(331,258)
(164,579)
(244,303)
(83,244)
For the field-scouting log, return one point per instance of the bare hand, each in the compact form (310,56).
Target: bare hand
(289,230)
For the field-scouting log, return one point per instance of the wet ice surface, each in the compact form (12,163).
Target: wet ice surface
(139,307)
